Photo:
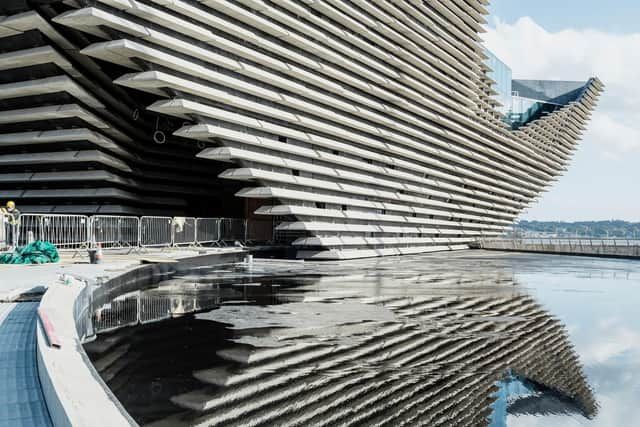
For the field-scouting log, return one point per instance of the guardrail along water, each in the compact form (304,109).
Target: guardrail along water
(613,247)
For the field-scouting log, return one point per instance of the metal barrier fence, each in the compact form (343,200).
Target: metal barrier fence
(75,232)
(232,229)
(156,231)
(183,231)
(207,231)
(112,231)
(120,312)
(154,308)
(623,248)
(64,231)
(3,232)
(140,308)
(571,242)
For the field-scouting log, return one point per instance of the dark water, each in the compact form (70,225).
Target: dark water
(468,338)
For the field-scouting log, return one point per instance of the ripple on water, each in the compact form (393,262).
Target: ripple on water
(465,338)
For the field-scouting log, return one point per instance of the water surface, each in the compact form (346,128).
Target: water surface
(465,338)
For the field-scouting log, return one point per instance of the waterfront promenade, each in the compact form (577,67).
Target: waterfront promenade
(607,248)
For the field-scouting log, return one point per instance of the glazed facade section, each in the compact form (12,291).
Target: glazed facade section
(364,128)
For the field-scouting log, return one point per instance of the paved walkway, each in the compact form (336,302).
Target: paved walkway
(21,279)
(21,399)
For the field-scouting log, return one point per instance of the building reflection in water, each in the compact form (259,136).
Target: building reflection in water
(386,344)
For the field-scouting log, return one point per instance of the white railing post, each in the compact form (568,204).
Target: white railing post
(3,235)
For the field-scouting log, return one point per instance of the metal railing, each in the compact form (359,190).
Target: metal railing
(156,231)
(122,311)
(571,242)
(233,229)
(614,247)
(76,232)
(5,233)
(141,308)
(67,232)
(111,231)
(154,308)
(207,231)
(183,231)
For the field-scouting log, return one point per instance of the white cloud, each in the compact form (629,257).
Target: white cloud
(616,340)
(533,52)
(615,136)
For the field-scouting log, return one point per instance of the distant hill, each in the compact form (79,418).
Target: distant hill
(612,228)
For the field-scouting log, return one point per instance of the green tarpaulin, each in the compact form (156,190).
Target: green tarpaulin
(38,252)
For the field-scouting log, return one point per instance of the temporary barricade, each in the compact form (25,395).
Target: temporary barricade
(184,231)
(120,312)
(155,231)
(75,232)
(571,242)
(154,308)
(137,308)
(207,231)
(66,232)
(114,231)
(30,225)
(233,229)
(3,235)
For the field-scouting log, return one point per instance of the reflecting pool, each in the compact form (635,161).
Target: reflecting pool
(467,338)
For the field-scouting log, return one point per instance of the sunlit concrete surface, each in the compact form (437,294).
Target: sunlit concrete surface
(21,279)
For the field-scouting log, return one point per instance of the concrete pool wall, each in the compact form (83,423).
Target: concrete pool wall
(74,392)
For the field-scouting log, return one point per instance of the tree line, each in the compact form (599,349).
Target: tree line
(611,228)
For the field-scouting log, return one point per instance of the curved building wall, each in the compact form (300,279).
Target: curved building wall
(71,141)
(365,127)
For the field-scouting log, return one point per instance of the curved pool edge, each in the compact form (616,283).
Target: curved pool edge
(74,392)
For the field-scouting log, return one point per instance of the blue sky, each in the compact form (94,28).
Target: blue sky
(574,40)
(557,15)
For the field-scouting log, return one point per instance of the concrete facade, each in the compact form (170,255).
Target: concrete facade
(366,128)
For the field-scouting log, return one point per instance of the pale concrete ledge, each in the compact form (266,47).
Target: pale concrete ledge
(606,248)
(74,392)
